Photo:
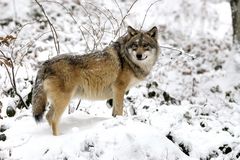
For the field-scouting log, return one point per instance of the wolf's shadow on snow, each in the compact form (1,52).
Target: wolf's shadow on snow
(70,124)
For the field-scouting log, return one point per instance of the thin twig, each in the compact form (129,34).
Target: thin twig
(6,68)
(79,102)
(30,44)
(18,30)
(54,33)
(93,35)
(12,79)
(89,16)
(2,53)
(73,18)
(180,52)
(147,12)
(122,21)
(102,34)
(15,11)
(115,19)
(15,86)
(94,41)
(120,10)
(112,24)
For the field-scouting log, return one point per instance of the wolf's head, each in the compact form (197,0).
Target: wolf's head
(142,47)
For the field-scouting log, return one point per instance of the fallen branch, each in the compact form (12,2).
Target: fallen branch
(79,102)
(180,52)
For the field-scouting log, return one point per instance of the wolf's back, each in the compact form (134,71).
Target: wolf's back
(39,98)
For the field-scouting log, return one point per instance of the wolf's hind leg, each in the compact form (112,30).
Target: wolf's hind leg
(50,115)
(58,107)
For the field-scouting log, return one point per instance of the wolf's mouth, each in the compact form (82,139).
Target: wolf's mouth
(141,58)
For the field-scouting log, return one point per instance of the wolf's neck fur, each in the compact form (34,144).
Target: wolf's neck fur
(139,71)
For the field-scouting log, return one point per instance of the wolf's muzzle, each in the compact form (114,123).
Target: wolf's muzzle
(140,57)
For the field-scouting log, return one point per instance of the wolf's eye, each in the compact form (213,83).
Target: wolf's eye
(146,47)
(134,47)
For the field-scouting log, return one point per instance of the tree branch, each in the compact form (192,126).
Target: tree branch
(180,52)
(147,12)
(122,21)
(53,30)
(11,75)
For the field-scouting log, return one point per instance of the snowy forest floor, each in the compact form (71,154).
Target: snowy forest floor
(186,109)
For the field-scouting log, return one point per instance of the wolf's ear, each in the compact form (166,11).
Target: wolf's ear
(131,31)
(153,32)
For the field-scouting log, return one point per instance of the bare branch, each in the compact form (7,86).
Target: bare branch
(11,75)
(30,44)
(18,30)
(54,33)
(109,19)
(89,16)
(180,52)
(79,102)
(120,10)
(147,12)
(3,60)
(102,12)
(73,18)
(122,21)
(101,36)
(94,41)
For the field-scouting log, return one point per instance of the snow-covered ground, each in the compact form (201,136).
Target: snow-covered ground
(186,109)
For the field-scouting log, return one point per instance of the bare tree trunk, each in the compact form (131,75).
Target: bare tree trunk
(235,7)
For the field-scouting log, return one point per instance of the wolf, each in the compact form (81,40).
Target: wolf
(105,74)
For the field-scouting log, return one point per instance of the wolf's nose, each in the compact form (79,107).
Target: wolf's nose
(139,56)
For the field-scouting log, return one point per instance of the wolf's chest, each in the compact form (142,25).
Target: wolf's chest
(133,82)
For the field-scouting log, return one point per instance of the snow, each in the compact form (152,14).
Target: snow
(200,119)
(91,137)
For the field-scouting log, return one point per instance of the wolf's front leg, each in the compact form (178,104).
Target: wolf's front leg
(118,95)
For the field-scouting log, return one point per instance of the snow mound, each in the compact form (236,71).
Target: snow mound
(85,137)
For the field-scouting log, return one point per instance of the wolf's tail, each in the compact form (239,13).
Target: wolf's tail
(39,97)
